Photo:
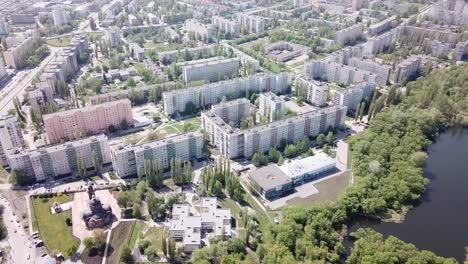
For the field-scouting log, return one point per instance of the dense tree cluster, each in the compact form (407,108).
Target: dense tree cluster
(371,247)
(219,177)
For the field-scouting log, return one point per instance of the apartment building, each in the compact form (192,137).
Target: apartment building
(271,106)
(151,7)
(15,56)
(3,71)
(176,101)
(449,11)
(357,5)
(128,160)
(316,92)
(60,16)
(89,120)
(166,57)
(233,142)
(113,36)
(189,225)
(382,26)
(380,43)
(212,70)
(10,136)
(351,97)
(3,27)
(293,129)
(153,19)
(60,160)
(348,34)
(336,72)
(439,49)
(233,111)
(432,32)
(382,71)
(226,25)
(252,23)
(201,31)
(407,69)
(461,49)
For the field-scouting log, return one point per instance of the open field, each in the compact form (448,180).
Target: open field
(119,236)
(155,235)
(329,190)
(54,231)
(59,42)
(136,232)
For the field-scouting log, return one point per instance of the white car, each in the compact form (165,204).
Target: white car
(28,256)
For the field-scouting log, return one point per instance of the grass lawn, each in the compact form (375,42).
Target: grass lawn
(52,228)
(59,42)
(118,239)
(136,232)
(96,178)
(159,47)
(187,125)
(329,190)
(155,235)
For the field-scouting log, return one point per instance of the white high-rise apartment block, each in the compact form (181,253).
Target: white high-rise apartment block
(3,26)
(227,25)
(60,16)
(113,36)
(130,160)
(211,70)
(382,42)
(232,111)
(336,72)
(451,12)
(10,136)
(233,142)
(15,56)
(60,160)
(359,4)
(407,68)
(381,70)
(348,34)
(151,7)
(352,96)
(176,101)
(202,31)
(461,49)
(252,23)
(271,106)
(3,71)
(316,92)
(439,49)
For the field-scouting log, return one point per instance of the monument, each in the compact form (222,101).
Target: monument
(98,215)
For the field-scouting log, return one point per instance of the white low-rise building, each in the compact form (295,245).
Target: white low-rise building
(190,226)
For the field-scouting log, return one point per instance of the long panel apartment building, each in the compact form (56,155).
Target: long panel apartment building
(336,72)
(60,160)
(129,160)
(252,23)
(234,142)
(211,71)
(210,94)
(10,136)
(226,25)
(352,96)
(88,120)
(15,56)
(381,70)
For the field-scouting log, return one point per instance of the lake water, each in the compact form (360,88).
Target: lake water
(440,222)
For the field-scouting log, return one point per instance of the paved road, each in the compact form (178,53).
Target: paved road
(18,87)
(18,241)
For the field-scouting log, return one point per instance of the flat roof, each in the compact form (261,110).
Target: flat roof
(297,168)
(269,177)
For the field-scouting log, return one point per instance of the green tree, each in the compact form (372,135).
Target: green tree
(320,140)
(330,138)
(126,255)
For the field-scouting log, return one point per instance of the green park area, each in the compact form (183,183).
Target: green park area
(53,228)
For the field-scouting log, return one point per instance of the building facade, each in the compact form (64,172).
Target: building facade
(352,96)
(60,160)
(176,101)
(336,72)
(271,107)
(226,25)
(60,16)
(407,68)
(94,119)
(211,71)
(130,160)
(252,23)
(10,136)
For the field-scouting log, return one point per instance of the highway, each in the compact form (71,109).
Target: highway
(21,248)
(17,87)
